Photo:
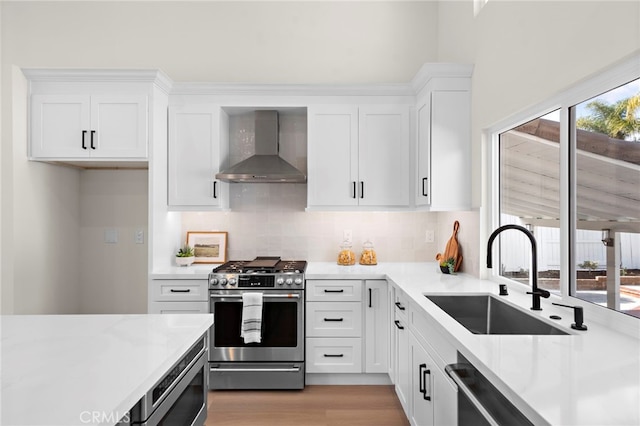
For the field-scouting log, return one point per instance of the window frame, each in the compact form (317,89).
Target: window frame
(620,73)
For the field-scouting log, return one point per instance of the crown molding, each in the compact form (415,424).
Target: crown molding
(439,70)
(75,75)
(255,89)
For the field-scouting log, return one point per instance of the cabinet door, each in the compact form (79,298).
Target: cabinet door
(423,151)
(60,126)
(434,398)
(384,168)
(376,326)
(450,150)
(332,156)
(403,378)
(194,156)
(118,126)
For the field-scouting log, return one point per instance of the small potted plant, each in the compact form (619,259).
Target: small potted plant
(447,266)
(185,256)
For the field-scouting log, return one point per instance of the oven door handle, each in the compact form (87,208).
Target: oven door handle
(257,370)
(270,296)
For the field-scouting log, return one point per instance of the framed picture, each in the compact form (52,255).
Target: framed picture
(208,247)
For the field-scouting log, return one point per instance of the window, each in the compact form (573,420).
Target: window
(572,177)
(530,197)
(606,243)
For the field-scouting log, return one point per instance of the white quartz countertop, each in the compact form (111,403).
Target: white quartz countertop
(586,378)
(87,369)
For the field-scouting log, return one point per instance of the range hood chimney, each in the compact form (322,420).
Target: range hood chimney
(265,166)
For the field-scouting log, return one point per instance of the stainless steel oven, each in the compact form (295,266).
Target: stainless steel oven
(180,397)
(277,361)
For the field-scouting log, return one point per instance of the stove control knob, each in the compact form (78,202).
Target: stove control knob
(280,281)
(213,281)
(298,281)
(223,281)
(232,281)
(289,281)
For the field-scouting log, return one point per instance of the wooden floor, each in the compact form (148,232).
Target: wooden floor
(313,406)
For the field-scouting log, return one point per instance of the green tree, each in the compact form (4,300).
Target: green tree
(619,120)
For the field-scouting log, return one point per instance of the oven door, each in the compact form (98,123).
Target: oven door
(282,327)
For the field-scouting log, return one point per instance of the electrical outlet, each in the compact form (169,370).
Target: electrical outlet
(429,236)
(347,235)
(139,236)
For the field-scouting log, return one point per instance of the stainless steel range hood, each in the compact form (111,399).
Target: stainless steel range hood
(266,166)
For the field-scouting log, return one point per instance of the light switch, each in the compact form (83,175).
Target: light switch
(111,236)
(429,236)
(139,236)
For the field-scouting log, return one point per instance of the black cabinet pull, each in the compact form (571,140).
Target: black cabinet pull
(424,191)
(421,378)
(354,189)
(93,132)
(361,189)
(334,291)
(369,297)
(84,133)
(215,184)
(402,308)
(173,290)
(398,325)
(334,319)
(424,380)
(333,355)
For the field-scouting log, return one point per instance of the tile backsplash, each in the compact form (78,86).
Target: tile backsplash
(270,219)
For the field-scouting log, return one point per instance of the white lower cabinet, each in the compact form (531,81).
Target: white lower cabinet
(343,317)
(433,397)
(178,297)
(400,339)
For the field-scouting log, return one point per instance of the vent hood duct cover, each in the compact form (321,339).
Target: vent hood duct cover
(265,166)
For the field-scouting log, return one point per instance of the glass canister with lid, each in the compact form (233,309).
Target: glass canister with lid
(346,256)
(368,256)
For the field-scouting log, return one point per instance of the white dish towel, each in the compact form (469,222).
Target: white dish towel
(251,317)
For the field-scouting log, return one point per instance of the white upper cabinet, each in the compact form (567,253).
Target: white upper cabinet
(443,113)
(78,116)
(195,153)
(84,126)
(359,156)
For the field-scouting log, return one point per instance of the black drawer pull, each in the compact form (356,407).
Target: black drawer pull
(334,319)
(188,290)
(334,291)
(424,191)
(398,325)
(333,355)
(354,189)
(402,308)
(93,132)
(84,133)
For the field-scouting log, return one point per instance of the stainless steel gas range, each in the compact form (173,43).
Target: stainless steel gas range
(277,361)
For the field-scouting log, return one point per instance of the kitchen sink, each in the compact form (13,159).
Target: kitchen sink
(486,314)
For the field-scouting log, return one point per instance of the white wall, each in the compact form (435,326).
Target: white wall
(113,276)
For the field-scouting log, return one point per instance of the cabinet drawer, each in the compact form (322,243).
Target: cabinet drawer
(334,290)
(401,304)
(179,290)
(334,319)
(333,355)
(179,307)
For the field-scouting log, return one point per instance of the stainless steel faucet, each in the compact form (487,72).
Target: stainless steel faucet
(536,292)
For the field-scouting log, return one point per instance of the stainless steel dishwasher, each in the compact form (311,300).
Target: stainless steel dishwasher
(479,402)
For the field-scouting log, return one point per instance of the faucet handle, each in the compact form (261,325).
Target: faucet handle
(578,316)
(540,292)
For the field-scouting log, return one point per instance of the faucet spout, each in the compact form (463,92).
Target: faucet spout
(535,292)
